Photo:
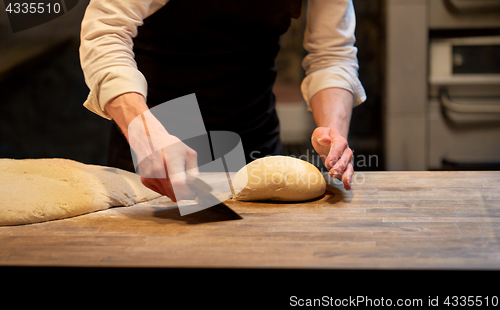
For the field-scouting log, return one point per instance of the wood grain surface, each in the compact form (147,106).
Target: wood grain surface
(390,220)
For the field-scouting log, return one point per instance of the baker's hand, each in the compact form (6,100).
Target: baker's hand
(164,160)
(335,154)
(174,162)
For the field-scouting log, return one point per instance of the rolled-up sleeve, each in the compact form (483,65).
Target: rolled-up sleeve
(332,57)
(106,50)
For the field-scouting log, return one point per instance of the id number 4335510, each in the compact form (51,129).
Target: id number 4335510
(33,8)
(471,301)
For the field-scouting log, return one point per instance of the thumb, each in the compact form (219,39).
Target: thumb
(322,136)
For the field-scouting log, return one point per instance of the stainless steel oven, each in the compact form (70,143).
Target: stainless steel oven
(442,103)
(464,103)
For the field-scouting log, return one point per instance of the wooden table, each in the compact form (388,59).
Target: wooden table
(390,220)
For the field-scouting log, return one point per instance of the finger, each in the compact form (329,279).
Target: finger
(167,188)
(336,151)
(321,142)
(347,177)
(176,173)
(341,165)
(322,136)
(155,185)
(192,163)
(149,183)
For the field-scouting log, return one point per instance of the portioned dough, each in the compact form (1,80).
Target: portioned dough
(38,190)
(282,178)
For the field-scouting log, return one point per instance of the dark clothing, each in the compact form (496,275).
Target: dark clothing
(223,51)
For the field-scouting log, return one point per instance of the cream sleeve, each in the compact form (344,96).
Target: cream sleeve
(106,54)
(332,56)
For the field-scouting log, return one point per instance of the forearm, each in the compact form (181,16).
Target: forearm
(329,40)
(124,108)
(332,108)
(106,50)
(132,115)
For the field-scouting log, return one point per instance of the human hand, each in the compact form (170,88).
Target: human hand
(164,160)
(335,154)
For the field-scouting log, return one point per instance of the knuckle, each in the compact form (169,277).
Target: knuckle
(192,153)
(194,172)
(316,131)
(343,144)
(335,154)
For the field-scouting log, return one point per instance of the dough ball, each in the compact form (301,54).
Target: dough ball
(281,178)
(38,190)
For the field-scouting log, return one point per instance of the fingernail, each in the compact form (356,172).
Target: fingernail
(333,173)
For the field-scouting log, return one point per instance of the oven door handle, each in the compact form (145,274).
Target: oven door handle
(446,102)
(467,6)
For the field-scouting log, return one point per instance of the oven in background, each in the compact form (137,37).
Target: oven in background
(442,88)
(464,103)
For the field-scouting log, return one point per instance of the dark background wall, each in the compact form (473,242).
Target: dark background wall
(42,89)
(366,136)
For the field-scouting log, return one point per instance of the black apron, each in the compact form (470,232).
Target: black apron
(224,51)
